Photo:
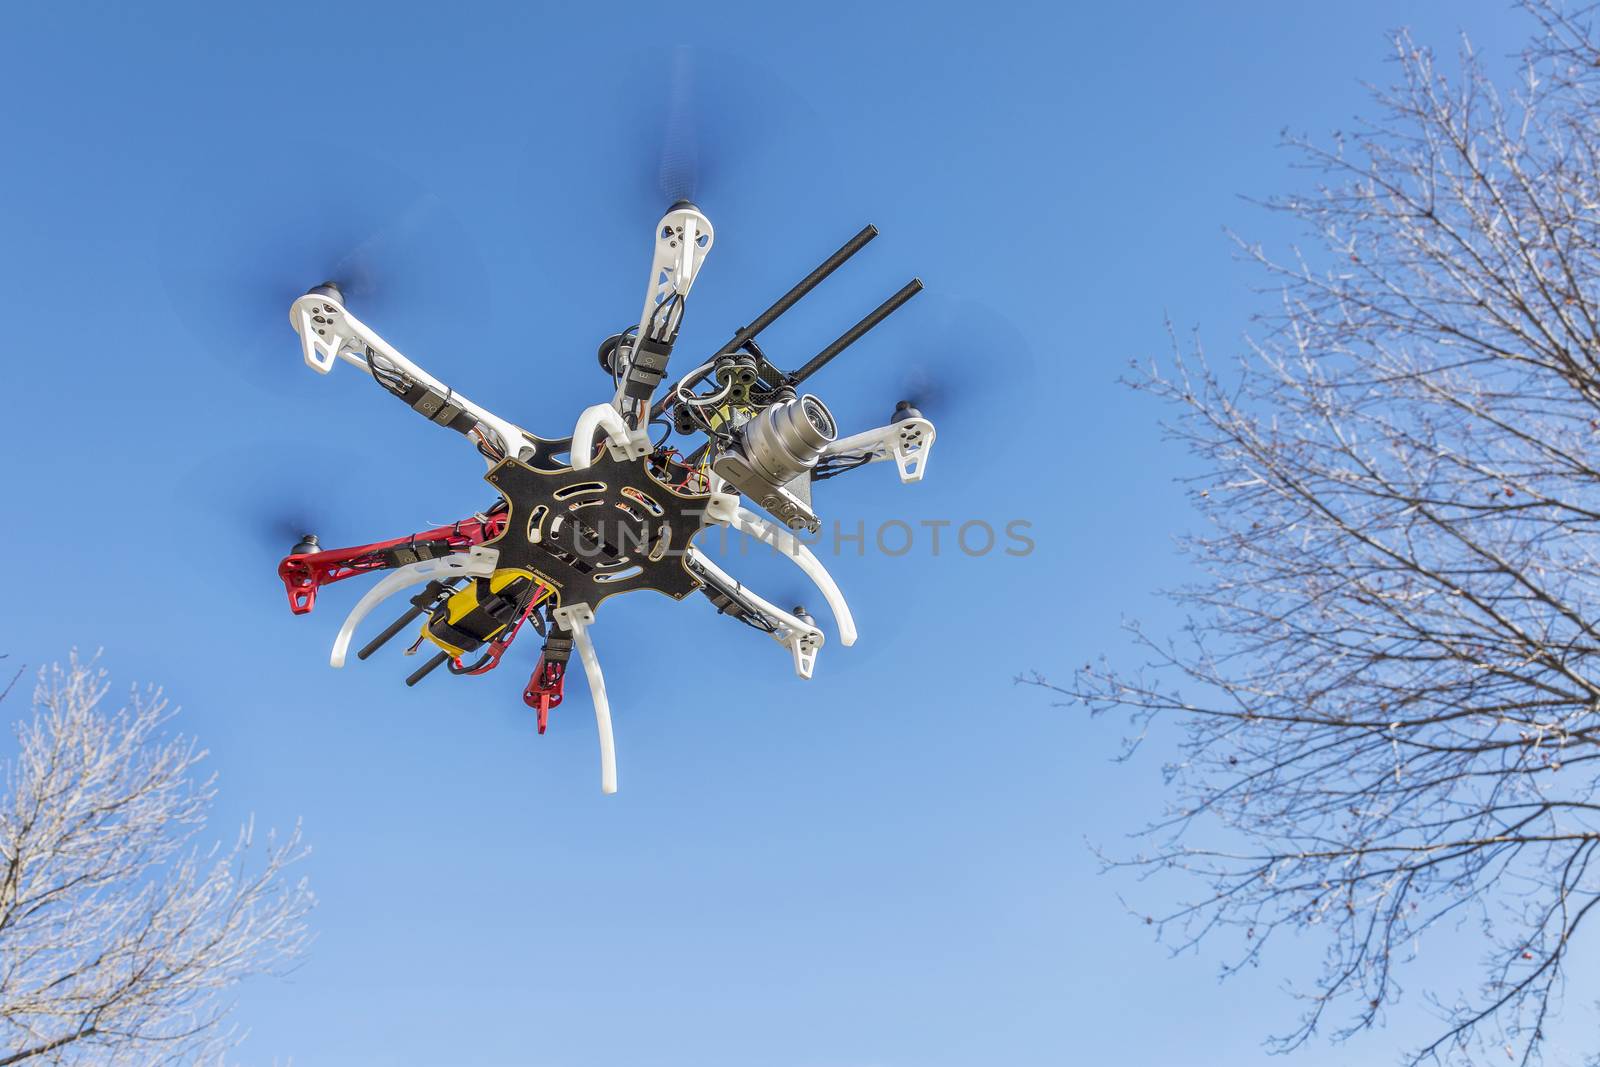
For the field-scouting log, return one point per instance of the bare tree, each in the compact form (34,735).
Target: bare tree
(1389,686)
(118,937)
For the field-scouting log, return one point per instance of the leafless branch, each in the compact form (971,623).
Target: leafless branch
(119,934)
(1389,682)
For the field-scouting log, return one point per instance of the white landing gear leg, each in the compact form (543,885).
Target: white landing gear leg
(479,562)
(785,542)
(578,618)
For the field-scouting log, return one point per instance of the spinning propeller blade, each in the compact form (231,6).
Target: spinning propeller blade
(265,498)
(678,170)
(246,236)
(708,117)
(959,362)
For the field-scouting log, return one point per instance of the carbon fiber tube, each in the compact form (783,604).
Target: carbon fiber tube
(787,300)
(420,603)
(803,286)
(856,332)
(427,668)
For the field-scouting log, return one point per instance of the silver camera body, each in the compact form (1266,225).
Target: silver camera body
(772,460)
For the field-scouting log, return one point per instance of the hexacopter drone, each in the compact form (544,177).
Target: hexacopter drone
(613,508)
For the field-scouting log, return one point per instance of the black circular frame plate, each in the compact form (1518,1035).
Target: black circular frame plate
(595,533)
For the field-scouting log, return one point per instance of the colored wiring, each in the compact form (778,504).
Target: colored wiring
(667,434)
(535,595)
(837,465)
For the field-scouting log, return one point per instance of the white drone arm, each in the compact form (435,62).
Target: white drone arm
(907,442)
(683,238)
(786,543)
(802,638)
(478,562)
(329,332)
(577,619)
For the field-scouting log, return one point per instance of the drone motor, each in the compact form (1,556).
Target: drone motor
(615,507)
(904,410)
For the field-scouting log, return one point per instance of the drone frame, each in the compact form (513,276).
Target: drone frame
(610,439)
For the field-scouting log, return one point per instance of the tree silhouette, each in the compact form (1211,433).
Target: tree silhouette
(1390,678)
(118,938)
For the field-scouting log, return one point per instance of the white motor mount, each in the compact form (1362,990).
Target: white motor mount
(908,442)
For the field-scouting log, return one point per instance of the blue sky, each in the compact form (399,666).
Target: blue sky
(884,866)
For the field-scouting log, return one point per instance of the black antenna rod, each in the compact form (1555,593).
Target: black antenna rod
(786,301)
(802,287)
(856,332)
(421,602)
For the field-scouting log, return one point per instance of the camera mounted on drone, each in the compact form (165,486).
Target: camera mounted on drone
(617,506)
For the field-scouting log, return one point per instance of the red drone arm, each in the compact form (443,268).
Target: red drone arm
(304,574)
